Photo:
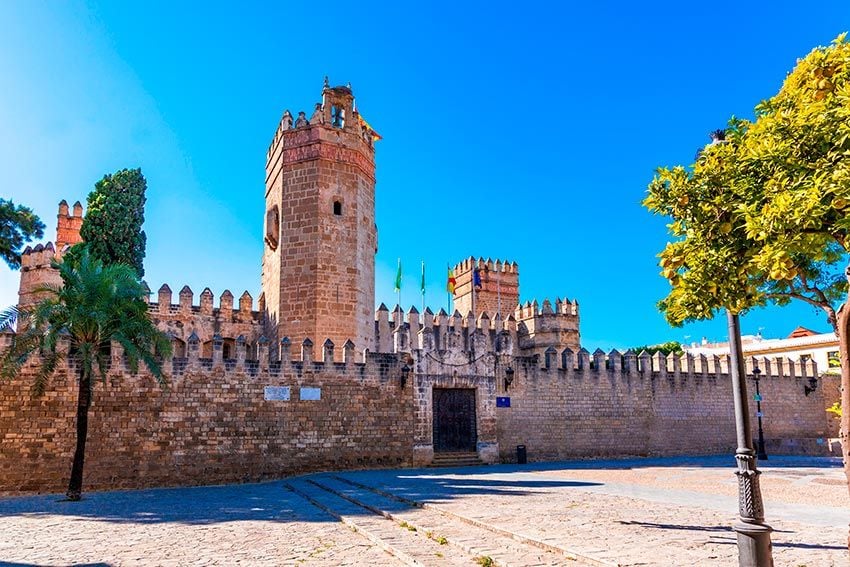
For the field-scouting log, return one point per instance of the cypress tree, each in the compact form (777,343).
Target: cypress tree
(113,223)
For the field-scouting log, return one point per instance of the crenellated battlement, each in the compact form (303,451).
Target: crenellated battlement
(685,366)
(37,271)
(68,224)
(495,290)
(39,256)
(323,114)
(533,309)
(549,325)
(468,264)
(437,353)
(164,305)
(205,321)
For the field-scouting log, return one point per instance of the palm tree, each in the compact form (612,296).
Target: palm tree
(96,305)
(8,317)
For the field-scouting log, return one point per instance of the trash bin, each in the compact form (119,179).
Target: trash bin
(521,456)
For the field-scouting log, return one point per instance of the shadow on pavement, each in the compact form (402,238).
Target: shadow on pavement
(269,501)
(195,505)
(706,461)
(794,545)
(686,527)
(272,501)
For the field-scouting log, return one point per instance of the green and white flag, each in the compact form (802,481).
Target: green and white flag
(422,284)
(397,287)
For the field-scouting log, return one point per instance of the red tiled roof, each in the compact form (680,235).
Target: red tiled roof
(801,332)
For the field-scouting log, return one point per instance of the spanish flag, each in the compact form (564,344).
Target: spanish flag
(450,284)
(375,135)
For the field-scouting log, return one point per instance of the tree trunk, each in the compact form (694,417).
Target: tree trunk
(843,331)
(75,485)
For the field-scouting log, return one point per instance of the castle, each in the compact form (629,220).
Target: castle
(252,396)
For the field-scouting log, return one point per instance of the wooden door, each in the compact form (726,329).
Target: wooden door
(454,420)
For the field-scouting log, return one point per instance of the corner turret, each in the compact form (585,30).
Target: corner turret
(68,225)
(550,325)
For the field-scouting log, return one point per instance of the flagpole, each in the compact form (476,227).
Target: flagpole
(423,286)
(398,281)
(448,293)
(472,285)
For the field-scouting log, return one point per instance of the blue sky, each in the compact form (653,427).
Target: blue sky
(525,132)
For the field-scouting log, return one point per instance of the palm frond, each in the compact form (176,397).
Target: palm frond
(8,317)
(95,305)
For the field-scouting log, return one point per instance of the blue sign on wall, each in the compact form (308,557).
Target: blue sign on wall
(503,402)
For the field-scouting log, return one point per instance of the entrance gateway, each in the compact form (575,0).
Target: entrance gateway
(454,420)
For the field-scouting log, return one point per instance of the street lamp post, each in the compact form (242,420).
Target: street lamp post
(754,547)
(762,455)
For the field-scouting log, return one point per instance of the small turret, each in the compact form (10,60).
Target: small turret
(36,272)
(541,327)
(68,225)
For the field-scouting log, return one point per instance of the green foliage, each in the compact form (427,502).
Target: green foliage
(8,317)
(485,561)
(763,216)
(95,305)
(18,225)
(670,347)
(835,409)
(113,223)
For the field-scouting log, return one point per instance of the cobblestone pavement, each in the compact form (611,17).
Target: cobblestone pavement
(626,512)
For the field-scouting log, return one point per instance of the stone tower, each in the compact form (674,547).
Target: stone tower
(36,269)
(498,291)
(320,235)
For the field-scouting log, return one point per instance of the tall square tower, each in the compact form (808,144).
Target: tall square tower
(320,234)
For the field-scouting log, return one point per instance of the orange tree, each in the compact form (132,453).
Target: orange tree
(764,215)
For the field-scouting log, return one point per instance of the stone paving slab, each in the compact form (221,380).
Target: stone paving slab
(640,523)
(255,524)
(473,540)
(664,512)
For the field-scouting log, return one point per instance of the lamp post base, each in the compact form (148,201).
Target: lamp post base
(754,547)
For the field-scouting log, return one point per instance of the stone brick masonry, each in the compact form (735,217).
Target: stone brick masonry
(214,424)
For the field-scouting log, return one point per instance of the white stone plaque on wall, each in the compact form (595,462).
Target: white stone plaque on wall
(311,394)
(276,393)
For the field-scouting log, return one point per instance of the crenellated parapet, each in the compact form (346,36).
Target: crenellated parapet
(37,271)
(464,336)
(204,320)
(496,289)
(686,367)
(36,268)
(550,325)
(68,224)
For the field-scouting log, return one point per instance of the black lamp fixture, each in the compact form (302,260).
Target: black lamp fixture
(811,386)
(405,372)
(761,453)
(509,377)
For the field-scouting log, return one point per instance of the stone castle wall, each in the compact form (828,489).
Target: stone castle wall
(212,424)
(594,407)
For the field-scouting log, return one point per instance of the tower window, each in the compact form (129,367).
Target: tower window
(272,227)
(337,208)
(337,116)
